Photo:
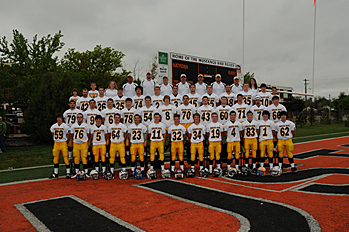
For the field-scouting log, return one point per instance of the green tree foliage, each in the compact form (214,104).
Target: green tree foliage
(294,104)
(325,118)
(154,67)
(247,77)
(301,120)
(337,112)
(346,122)
(311,117)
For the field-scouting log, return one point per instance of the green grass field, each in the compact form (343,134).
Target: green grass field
(31,156)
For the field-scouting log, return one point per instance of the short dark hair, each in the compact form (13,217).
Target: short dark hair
(147,97)
(139,87)
(120,88)
(266,112)
(204,97)
(117,114)
(129,99)
(59,115)
(214,113)
(110,99)
(157,114)
(249,112)
(72,101)
(275,97)
(92,100)
(283,113)
(232,112)
(176,116)
(263,85)
(239,95)
(98,117)
(74,90)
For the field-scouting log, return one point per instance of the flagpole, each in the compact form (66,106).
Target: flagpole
(243,41)
(313,77)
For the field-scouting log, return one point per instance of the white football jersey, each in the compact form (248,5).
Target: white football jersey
(111,93)
(213,99)
(265,98)
(186,113)
(80,132)
(218,88)
(236,89)
(147,114)
(166,89)
(241,111)
(205,112)
(138,101)
(176,100)
(167,113)
(275,112)
(250,129)
(108,115)
(214,131)
(60,132)
(90,115)
(177,132)
(119,102)
(156,131)
(137,133)
(101,103)
(255,91)
(248,97)
(128,115)
(183,89)
(70,116)
(98,134)
(74,98)
(223,113)
(148,87)
(197,132)
(129,89)
(230,98)
(233,130)
(266,129)
(257,112)
(93,94)
(284,129)
(83,103)
(195,99)
(117,132)
(157,101)
(201,88)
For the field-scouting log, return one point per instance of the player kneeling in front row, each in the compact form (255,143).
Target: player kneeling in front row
(266,131)
(196,136)
(285,131)
(214,131)
(99,136)
(177,135)
(61,136)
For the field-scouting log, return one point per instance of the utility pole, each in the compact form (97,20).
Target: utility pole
(306,100)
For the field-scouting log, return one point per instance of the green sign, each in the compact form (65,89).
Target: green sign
(163,58)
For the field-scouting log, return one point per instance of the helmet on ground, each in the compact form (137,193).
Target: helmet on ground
(276,171)
(245,171)
(261,171)
(108,175)
(166,173)
(231,172)
(137,174)
(123,175)
(81,175)
(151,174)
(94,175)
(190,173)
(217,172)
(204,172)
(179,173)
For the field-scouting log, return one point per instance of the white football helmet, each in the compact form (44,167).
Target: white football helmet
(217,172)
(276,171)
(94,175)
(231,172)
(151,174)
(179,173)
(204,172)
(123,175)
(166,173)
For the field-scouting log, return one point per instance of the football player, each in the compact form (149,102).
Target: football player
(148,85)
(157,99)
(74,96)
(223,111)
(236,87)
(80,133)
(93,93)
(91,113)
(83,102)
(200,85)
(240,108)
(275,109)
(196,136)
(99,136)
(147,112)
(183,86)
(205,111)
(274,91)
(120,99)
(218,86)
(165,88)
(138,99)
(257,109)
(214,132)
(128,113)
(186,112)
(251,132)
(285,130)
(108,118)
(176,134)
(248,95)
(129,87)
(60,134)
(101,100)
(265,96)
(213,99)
(194,98)
(117,134)
(137,133)
(233,132)
(157,135)
(229,95)
(167,112)
(266,132)
(175,98)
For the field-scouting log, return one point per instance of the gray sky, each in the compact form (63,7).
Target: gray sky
(278,34)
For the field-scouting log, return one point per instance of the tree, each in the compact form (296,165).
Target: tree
(325,119)
(294,104)
(301,120)
(248,76)
(311,118)
(154,67)
(337,112)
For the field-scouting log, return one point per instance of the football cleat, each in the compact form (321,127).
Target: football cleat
(231,172)
(217,172)
(245,171)
(165,173)
(108,175)
(204,173)
(73,176)
(137,174)
(151,174)
(123,175)
(254,170)
(80,175)
(179,173)
(67,176)
(276,171)
(53,176)
(94,175)
(190,173)
(261,171)
(294,169)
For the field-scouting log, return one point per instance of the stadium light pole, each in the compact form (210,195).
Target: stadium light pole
(243,40)
(313,74)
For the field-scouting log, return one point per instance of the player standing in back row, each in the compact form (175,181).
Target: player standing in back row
(218,86)
(200,85)
(183,86)
(148,85)
(129,87)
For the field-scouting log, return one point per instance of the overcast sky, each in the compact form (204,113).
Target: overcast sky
(278,34)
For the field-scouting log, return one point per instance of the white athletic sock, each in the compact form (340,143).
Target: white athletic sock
(68,170)
(89,153)
(112,170)
(246,165)
(97,169)
(280,164)
(151,167)
(132,169)
(142,168)
(172,168)
(55,171)
(292,165)
(228,166)
(76,170)
(70,154)
(86,170)
(210,167)
(127,153)
(162,167)
(103,169)
(201,167)
(182,167)
(236,166)
(254,165)
(124,169)
(271,165)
